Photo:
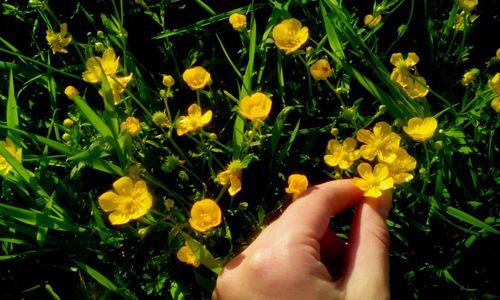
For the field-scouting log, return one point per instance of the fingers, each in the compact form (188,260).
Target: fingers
(367,266)
(313,210)
(332,250)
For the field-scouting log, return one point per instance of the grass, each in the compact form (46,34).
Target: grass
(56,240)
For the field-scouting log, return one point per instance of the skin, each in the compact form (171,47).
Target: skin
(299,257)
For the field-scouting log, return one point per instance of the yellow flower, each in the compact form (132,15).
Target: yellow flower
(168,80)
(5,167)
(238,21)
(197,77)
(256,107)
(401,63)
(467,5)
(58,41)
(289,35)
(321,70)
(128,201)
(372,21)
(205,214)
(381,143)
(421,129)
(416,88)
(193,121)
(342,155)
(403,164)
(131,125)
(109,63)
(372,183)
(70,91)
(498,54)
(495,83)
(231,175)
(117,86)
(470,76)
(297,184)
(186,255)
(495,104)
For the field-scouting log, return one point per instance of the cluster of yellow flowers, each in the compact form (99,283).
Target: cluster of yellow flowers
(393,163)
(413,85)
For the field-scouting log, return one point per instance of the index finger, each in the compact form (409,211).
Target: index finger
(312,211)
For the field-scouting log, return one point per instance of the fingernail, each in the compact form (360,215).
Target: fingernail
(382,204)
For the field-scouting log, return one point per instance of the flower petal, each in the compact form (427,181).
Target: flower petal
(124,186)
(109,201)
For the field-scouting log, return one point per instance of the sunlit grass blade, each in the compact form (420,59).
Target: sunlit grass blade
(103,280)
(12,116)
(36,218)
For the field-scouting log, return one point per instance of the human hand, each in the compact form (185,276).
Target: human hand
(299,257)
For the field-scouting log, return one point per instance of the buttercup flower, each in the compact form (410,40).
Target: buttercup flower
(289,35)
(381,143)
(467,5)
(498,54)
(132,125)
(321,70)
(495,83)
(194,120)
(372,21)
(58,41)
(415,88)
(117,86)
(421,130)
(168,80)
(495,104)
(129,201)
(70,91)
(342,155)
(403,164)
(297,184)
(372,183)
(5,167)
(205,215)
(197,78)
(231,175)
(238,21)
(256,107)
(186,255)
(401,63)
(109,63)
(470,76)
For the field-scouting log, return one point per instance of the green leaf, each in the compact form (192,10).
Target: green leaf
(103,280)
(203,255)
(39,219)
(92,117)
(12,116)
(465,217)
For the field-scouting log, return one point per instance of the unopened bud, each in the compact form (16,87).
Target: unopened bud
(70,91)
(99,47)
(100,34)
(168,80)
(212,136)
(438,145)
(68,123)
(334,131)
(66,137)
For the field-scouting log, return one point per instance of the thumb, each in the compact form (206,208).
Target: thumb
(367,260)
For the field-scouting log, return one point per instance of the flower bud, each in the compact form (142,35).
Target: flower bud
(169,204)
(161,119)
(168,80)
(438,145)
(70,91)
(212,136)
(334,131)
(99,47)
(68,123)
(66,137)
(100,34)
